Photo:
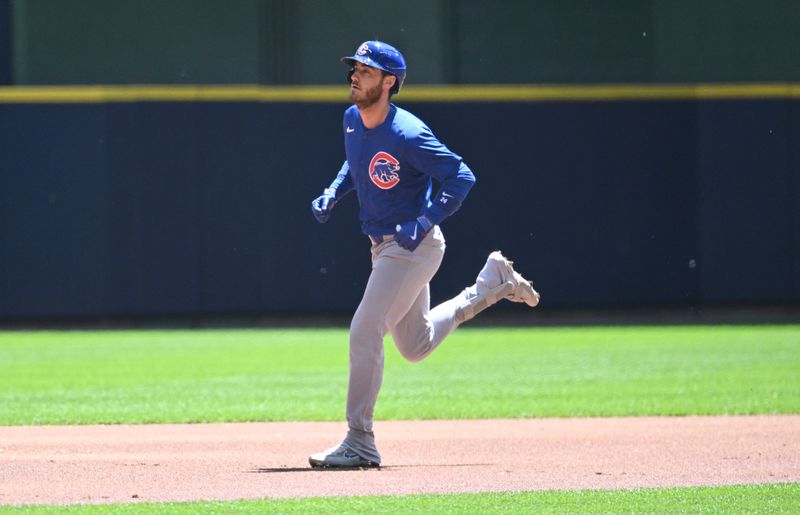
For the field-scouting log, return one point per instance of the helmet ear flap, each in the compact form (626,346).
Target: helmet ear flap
(396,86)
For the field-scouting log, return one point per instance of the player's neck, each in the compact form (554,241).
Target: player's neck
(375,114)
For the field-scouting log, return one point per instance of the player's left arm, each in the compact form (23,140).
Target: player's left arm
(428,154)
(435,159)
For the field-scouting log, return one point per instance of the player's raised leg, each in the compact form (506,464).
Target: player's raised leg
(497,280)
(421,331)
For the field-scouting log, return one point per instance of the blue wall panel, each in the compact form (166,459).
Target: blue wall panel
(163,208)
(794,216)
(153,183)
(746,203)
(54,201)
(260,168)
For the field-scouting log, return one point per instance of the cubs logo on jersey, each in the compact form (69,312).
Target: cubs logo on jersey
(383,170)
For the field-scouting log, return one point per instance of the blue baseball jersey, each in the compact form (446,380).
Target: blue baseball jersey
(391,168)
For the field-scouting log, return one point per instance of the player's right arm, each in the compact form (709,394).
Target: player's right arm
(322,206)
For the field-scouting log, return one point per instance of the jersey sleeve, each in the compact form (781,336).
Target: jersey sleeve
(343,183)
(430,156)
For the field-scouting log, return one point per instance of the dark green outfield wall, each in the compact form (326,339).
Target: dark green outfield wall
(142,41)
(5,43)
(445,41)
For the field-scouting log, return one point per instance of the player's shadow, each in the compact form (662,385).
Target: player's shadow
(283,470)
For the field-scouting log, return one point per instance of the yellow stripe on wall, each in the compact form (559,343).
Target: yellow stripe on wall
(338,94)
(103,94)
(615,92)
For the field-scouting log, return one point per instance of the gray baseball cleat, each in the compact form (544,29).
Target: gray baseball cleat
(340,457)
(499,270)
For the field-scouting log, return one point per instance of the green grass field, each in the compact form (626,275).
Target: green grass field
(79,377)
(272,375)
(752,499)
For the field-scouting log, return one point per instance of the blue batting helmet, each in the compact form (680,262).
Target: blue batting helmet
(382,56)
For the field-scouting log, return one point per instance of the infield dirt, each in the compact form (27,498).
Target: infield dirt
(154,463)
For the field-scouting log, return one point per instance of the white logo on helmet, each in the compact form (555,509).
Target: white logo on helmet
(363,49)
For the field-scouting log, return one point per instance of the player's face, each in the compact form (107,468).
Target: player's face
(367,85)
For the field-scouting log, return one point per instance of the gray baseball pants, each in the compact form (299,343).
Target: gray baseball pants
(396,299)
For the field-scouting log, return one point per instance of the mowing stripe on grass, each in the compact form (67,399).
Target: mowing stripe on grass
(773,498)
(301,374)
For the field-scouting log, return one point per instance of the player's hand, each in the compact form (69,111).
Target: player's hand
(410,235)
(322,206)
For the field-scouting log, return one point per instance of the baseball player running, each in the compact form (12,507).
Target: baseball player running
(392,157)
